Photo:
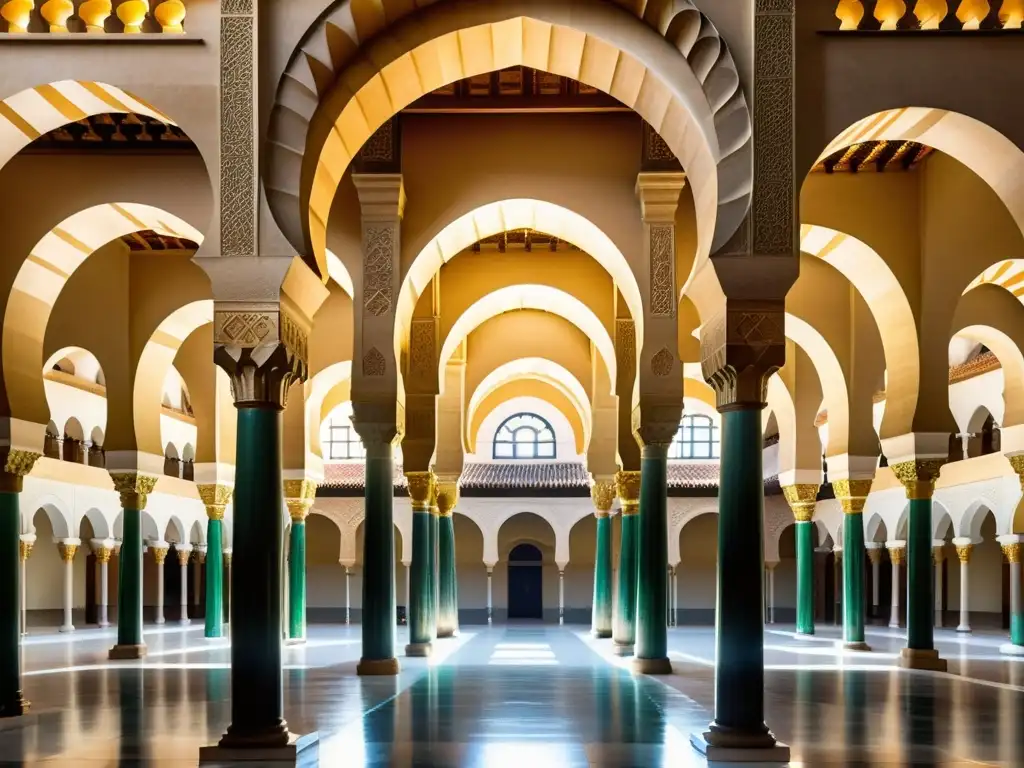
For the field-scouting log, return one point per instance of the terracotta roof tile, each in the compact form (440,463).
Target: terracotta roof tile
(525,474)
(703,474)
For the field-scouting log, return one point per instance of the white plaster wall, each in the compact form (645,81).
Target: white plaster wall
(177,432)
(697,575)
(66,402)
(965,397)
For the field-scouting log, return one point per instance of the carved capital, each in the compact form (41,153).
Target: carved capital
(1017,463)
(875,555)
(378,423)
(215,498)
(67,551)
(918,476)
(655,420)
(260,375)
(133,488)
(25,549)
(897,555)
(199,554)
(627,486)
(1011,552)
(159,554)
(802,499)
(741,348)
(963,552)
(17,464)
(298,497)
(852,494)
(447,493)
(602,493)
(421,490)
(183,556)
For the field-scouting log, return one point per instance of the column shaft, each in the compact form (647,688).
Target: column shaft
(434,599)
(348,595)
(297,581)
(257,695)
(184,589)
(419,585)
(1016,604)
(652,571)
(964,555)
(215,577)
(12,703)
(490,595)
(853,580)
(69,592)
(160,618)
(129,583)
(601,616)
(805,577)
(895,556)
(379,564)
(624,631)
(771,594)
(739,674)
(920,605)
(448,614)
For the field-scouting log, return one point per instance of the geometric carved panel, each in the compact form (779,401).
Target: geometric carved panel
(662,271)
(378,269)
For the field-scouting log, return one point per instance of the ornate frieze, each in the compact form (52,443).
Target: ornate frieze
(625,346)
(662,264)
(378,269)
(238,172)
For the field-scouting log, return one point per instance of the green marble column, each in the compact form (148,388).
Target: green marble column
(852,495)
(627,485)
(421,487)
(1012,551)
(739,673)
(918,477)
(297,580)
(447,585)
(12,702)
(257,694)
(802,500)
(603,495)
(652,568)
(435,597)
(379,562)
(133,489)
(214,570)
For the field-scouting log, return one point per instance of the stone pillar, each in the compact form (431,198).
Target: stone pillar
(561,593)
(652,581)
(802,499)
(963,553)
(837,579)
(134,488)
(421,490)
(348,595)
(875,557)
(675,595)
(17,464)
(852,495)
(602,493)
(67,549)
(227,585)
(771,591)
(447,492)
(1012,545)
(183,555)
(627,486)
(897,556)
(25,544)
(490,595)
(938,558)
(102,549)
(434,600)
(159,551)
(298,497)
(216,499)
(918,477)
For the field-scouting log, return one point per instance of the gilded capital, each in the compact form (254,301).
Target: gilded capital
(159,554)
(215,498)
(897,555)
(447,493)
(421,490)
(627,486)
(602,493)
(852,494)
(67,551)
(1011,552)
(918,476)
(963,552)
(802,499)
(133,488)
(1017,462)
(17,464)
(103,554)
(298,497)
(183,555)
(875,555)
(937,555)
(25,549)
(199,555)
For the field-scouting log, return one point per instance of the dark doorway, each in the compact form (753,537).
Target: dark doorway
(525,583)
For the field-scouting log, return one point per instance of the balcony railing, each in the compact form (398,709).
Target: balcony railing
(62,17)
(945,15)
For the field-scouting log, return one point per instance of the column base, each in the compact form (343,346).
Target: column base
(374,667)
(184,622)
(1010,649)
(213,635)
(419,650)
(894,625)
(857,646)
(805,635)
(127,652)
(67,628)
(160,620)
(963,629)
(928,659)
(443,633)
(103,624)
(763,750)
(234,749)
(295,641)
(622,649)
(16,707)
(652,666)
(601,634)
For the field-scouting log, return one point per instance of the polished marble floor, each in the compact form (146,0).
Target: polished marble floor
(528,696)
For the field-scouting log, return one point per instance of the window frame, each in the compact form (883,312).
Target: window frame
(351,442)
(685,444)
(514,444)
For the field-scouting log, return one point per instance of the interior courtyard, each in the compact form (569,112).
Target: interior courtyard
(511,382)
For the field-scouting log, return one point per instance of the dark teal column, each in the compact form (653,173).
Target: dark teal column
(448,594)
(214,571)
(12,702)
(379,615)
(133,489)
(435,597)
(603,495)
(918,477)
(420,491)
(852,494)
(1012,552)
(297,576)
(739,672)
(257,697)
(802,499)
(652,568)
(627,485)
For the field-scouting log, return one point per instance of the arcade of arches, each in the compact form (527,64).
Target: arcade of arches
(351,351)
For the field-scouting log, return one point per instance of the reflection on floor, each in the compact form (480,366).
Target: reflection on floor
(523,696)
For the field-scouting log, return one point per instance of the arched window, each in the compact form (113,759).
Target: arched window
(524,436)
(342,441)
(696,438)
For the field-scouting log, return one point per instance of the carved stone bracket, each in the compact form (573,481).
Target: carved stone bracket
(741,348)
(133,488)
(260,376)
(656,419)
